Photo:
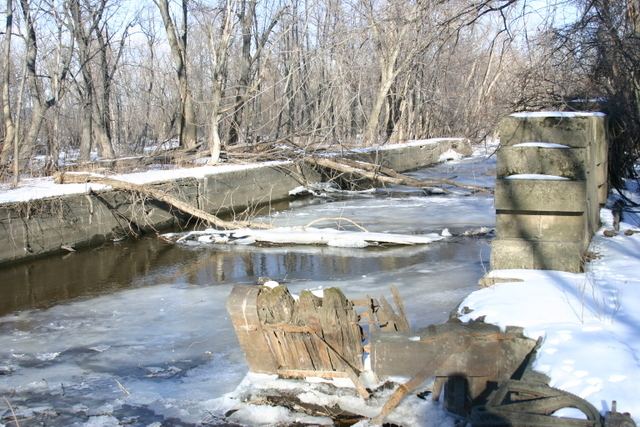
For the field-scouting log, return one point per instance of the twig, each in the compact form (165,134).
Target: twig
(13,414)
(338,219)
(121,387)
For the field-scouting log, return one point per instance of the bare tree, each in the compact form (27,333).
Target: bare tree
(219,47)
(178,43)
(246,81)
(9,127)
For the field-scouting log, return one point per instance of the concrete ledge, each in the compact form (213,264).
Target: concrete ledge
(574,131)
(533,226)
(540,255)
(565,162)
(413,155)
(540,195)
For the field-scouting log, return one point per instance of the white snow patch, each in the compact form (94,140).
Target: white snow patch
(446,233)
(541,145)
(450,155)
(537,176)
(563,114)
(589,321)
(271,284)
(305,236)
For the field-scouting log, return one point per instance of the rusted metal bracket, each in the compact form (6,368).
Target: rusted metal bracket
(525,403)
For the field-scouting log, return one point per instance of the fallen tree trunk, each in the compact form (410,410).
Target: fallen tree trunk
(156,194)
(384,175)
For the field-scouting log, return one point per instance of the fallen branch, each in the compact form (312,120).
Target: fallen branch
(338,220)
(13,414)
(399,394)
(156,194)
(384,175)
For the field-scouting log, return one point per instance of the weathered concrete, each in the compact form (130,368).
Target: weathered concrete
(536,226)
(548,223)
(43,226)
(568,162)
(412,156)
(572,130)
(536,255)
(540,195)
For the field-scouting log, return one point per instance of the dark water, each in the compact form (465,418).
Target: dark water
(45,282)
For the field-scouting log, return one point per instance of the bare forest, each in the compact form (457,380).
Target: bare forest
(231,80)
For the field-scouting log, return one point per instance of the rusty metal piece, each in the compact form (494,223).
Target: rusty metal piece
(614,418)
(524,403)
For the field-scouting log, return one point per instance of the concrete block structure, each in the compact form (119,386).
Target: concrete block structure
(551,182)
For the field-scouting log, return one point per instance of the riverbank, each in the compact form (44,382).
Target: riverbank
(41,217)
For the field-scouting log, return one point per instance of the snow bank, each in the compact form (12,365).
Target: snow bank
(40,188)
(541,145)
(590,322)
(303,236)
(537,176)
(561,114)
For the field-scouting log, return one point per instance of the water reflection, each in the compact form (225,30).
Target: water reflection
(47,281)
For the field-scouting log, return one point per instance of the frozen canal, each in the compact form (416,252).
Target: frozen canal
(137,333)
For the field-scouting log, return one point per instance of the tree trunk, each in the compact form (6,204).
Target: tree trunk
(220,52)
(9,127)
(178,45)
(371,133)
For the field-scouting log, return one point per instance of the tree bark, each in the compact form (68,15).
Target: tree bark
(9,127)
(220,51)
(178,45)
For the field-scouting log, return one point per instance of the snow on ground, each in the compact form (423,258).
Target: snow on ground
(590,322)
(537,176)
(40,188)
(541,145)
(557,114)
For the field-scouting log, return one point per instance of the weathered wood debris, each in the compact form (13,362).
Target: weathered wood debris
(486,372)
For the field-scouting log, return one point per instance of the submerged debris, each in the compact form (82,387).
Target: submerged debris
(301,236)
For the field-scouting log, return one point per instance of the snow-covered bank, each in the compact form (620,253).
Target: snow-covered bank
(39,188)
(590,322)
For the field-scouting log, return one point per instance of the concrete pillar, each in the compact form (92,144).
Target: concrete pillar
(551,182)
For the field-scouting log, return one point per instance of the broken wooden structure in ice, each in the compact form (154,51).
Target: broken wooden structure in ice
(486,370)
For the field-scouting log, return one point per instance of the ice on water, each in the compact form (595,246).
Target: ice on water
(168,351)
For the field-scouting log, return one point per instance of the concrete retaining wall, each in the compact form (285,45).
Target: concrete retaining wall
(544,222)
(42,226)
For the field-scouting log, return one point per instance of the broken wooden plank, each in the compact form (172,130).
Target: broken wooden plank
(241,306)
